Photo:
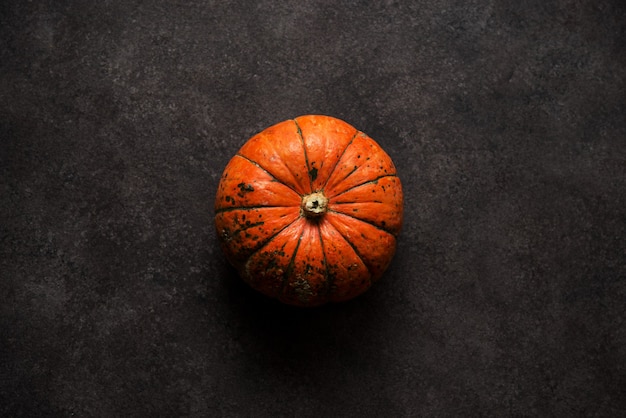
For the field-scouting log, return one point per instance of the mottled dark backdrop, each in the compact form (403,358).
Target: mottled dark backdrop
(506,120)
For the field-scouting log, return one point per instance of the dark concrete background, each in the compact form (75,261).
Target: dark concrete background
(506,120)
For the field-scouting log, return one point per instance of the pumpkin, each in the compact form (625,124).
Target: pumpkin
(308,211)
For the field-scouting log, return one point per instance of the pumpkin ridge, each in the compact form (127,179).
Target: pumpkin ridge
(244,253)
(353,249)
(291,264)
(339,159)
(262,244)
(228,209)
(360,184)
(306,157)
(248,264)
(326,274)
(268,172)
(289,168)
(362,220)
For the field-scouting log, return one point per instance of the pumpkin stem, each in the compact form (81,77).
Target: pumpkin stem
(314,205)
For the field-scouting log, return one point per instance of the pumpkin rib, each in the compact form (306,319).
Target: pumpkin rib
(353,170)
(290,266)
(264,262)
(329,225)
(362,220)
(339,159)
(360,257)
(240,245)
(267,171)
(360,184)
(371,239)
(326,274)
(305,160)
(270,238)
(306,157)
(228,209)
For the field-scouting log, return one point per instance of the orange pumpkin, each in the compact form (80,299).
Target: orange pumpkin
(308,211)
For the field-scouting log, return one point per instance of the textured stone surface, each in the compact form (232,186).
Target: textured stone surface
(506,121)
